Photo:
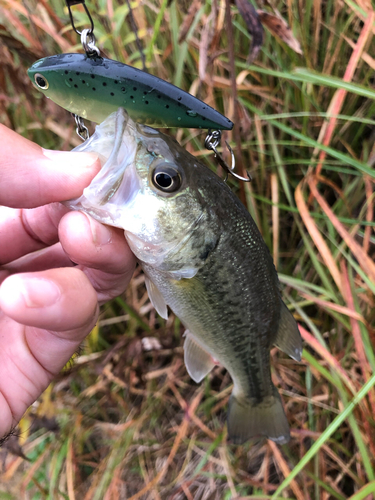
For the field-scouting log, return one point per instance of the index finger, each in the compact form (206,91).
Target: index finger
(31,176)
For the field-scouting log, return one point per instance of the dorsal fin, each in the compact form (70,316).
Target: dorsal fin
(288,338)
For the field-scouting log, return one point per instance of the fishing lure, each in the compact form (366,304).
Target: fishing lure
(94,87)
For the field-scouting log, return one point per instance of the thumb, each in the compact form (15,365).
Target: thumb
(31,176)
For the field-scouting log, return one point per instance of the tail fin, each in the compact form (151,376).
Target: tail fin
(266,419)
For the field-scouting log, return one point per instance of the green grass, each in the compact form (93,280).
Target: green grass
(131,423)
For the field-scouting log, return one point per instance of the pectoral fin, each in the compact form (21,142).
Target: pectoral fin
(157,300)
(198,362)
(186,273)
(288,338)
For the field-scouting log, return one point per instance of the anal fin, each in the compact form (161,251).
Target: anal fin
(198,362)
(157,300)
(288,338)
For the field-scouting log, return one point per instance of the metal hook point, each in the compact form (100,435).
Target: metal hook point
(211,142)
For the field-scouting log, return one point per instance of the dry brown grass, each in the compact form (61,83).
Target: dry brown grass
(127,423)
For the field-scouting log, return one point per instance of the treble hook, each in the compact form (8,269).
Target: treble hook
(211,142)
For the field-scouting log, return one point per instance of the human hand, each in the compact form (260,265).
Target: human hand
(47,304)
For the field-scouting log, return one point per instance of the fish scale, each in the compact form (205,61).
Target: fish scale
(216,295)
(204,257)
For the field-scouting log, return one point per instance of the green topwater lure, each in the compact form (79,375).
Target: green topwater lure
(95,87)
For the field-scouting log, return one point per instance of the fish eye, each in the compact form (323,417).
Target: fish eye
(166,178)
(41,81)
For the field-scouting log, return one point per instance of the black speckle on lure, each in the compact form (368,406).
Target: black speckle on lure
(95,87)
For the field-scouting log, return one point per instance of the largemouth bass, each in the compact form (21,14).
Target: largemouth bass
(95,87)
(204,257)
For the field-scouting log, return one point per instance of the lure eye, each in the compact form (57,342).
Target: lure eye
(166,178)
(41,81)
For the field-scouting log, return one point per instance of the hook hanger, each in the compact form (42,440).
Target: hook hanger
(88,44)
(211,142)
(81,129)
(87,34)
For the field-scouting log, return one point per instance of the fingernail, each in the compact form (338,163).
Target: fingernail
(39,292)
(101,234)
(72,159)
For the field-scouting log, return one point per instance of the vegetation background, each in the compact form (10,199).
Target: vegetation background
(124,420)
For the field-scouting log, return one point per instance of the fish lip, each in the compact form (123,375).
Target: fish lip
(99,197)
(121,124)
(121,129)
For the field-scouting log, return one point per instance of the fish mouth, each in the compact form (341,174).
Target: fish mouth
(117,183)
